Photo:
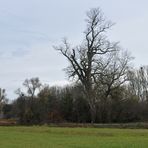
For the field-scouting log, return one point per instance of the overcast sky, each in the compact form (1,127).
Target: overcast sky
(29,29)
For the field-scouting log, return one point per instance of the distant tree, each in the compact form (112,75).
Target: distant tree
(27,103)
(49,102)
(139,83)
(8,111)
(32,86)
(67,106)
(2,101)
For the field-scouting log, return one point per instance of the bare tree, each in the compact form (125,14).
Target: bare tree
(83,59)
(112,74)
(32,86)
(139,83)
(113,71)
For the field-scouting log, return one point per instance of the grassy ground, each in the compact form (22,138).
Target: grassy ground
(54,137)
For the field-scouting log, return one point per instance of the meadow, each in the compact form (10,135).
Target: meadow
(56,137)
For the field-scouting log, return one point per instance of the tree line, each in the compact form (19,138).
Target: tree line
(106,88)
(42,104)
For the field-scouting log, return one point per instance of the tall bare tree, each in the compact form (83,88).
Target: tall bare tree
(83,59)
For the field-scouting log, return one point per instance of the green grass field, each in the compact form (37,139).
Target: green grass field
(54,137)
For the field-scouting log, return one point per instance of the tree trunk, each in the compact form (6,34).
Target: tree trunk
(92,105)
(93,113)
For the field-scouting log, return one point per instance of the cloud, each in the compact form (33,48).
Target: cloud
(40,61)
(29,28)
